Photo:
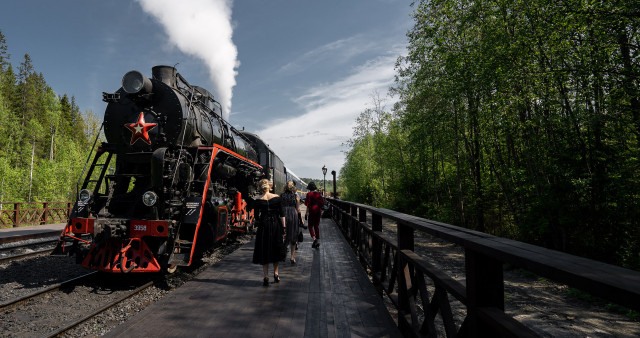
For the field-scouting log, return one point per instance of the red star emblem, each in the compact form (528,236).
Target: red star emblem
(140,130)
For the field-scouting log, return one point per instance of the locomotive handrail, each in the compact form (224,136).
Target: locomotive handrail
(95,141)
(400,272)
(26,213)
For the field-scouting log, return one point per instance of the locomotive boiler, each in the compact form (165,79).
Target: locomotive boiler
(172,180)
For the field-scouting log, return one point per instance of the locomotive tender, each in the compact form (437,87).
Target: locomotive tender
(172,180)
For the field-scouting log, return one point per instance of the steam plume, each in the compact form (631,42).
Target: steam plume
(202,28)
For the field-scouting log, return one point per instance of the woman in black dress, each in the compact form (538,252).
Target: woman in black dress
(291,210)
(270,224)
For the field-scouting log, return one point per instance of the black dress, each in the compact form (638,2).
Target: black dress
(290,212)
(268,214)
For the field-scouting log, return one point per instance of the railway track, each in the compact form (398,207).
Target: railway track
(79,306)
(11,258)
(19,300)
(58,308)
(24,248)
(70,325)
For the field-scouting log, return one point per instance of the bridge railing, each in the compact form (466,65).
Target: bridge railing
(402,274)
(15,214)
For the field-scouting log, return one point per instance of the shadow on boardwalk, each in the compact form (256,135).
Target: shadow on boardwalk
(325,294)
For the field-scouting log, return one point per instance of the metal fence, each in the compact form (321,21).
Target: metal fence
(420,291)
(15,214)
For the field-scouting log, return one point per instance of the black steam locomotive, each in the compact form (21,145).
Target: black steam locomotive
(172,180)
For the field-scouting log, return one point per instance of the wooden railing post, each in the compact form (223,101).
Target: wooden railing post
(352,228)
(405,237)
(363,241)
(376,251)
(405,242)
(43,218)
(345,220)
(16,215)
(362,215)
(485,288)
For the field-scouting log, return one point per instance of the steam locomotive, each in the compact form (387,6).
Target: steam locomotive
(172,180)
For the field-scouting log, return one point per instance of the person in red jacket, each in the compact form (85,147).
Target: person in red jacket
(314,203)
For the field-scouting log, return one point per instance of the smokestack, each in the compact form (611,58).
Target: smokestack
(166,74)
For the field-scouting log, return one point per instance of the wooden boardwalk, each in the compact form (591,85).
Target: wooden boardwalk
(325,294)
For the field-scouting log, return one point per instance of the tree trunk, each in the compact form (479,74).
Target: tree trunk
(53,131)
(33,151)
(629,79)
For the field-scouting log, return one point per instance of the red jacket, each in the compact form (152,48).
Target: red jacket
(314,202)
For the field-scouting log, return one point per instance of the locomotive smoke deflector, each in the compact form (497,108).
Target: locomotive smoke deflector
(133,82)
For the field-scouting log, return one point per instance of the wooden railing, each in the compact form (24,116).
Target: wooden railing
(33,213)
(401,274)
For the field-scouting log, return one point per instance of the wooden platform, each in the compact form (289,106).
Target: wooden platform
(10,235)
(326,294)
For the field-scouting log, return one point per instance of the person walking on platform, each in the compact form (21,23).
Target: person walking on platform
(291,210)
(270,224)
(314,203)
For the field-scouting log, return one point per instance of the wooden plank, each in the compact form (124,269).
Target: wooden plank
(604,280)
(326,294)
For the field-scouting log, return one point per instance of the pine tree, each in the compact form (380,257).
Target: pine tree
(4,55)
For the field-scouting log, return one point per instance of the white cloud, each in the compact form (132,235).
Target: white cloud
(202,28)
(315,138)
(339,51)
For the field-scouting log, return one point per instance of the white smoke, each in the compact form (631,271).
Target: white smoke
(202,28)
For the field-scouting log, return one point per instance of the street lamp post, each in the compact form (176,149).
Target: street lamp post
(324,180)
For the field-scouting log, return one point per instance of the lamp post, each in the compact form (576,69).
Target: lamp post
(334,195)
(324,180)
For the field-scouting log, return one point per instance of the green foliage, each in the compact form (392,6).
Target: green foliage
(43,138)
(587,297)
(521,119)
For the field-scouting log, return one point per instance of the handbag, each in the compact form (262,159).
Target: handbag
(301,223)
(300,237)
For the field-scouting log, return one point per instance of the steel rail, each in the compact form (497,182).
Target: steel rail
(75,323)
(17,301)
(20,243)
(8,259)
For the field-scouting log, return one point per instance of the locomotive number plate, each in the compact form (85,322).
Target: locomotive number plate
(141,228)
(138,227)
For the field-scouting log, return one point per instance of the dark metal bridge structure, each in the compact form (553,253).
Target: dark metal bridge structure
(402,275)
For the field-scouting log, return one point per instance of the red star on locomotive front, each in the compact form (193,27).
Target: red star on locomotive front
(140,130)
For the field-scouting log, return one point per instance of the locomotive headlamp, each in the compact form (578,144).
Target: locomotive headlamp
(84,196)
(149,198)
(134,82)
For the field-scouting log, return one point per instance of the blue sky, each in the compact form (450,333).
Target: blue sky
(295,72)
